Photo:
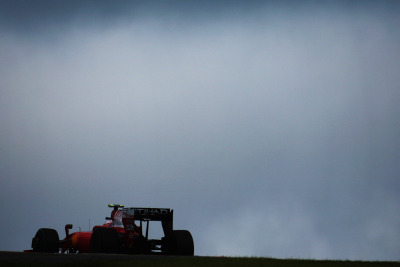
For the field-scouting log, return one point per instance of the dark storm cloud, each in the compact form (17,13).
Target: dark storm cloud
(46,16)
(272,130)
(28,16)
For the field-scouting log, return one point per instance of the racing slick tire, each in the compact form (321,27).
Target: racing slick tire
(104,240)
(46,240)
(180,242)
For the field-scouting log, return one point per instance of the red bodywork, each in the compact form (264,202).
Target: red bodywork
(80,241)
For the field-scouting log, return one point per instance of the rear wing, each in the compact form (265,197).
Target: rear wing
(166,216)
(148,214)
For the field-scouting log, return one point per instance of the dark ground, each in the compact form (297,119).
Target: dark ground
(22,259)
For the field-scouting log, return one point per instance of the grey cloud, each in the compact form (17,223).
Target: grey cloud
(270,135)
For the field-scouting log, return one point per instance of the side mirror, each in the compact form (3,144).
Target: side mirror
(67,228)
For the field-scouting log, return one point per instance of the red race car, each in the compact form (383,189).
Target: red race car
(120,234)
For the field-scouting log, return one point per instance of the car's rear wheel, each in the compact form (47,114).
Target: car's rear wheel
(180,242)
(104,240)
(46,240)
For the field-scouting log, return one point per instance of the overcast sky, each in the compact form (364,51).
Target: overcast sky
(271,128)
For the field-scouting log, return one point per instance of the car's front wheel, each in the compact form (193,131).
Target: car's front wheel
(46,240)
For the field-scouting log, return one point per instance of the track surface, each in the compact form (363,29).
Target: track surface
(21,257)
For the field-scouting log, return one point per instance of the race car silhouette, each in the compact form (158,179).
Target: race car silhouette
(120,234)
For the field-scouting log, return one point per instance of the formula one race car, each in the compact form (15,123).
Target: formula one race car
(120,234)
